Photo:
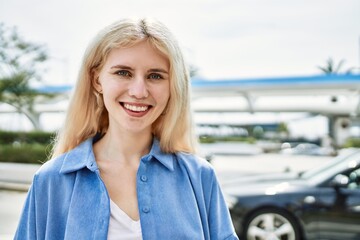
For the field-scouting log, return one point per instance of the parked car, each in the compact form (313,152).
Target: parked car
(309,149)
(322,203)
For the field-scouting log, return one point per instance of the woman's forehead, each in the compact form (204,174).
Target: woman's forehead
(142,52)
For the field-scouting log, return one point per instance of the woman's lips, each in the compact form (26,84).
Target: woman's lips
(136,109)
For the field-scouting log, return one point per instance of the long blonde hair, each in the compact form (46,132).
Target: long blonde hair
(87,116)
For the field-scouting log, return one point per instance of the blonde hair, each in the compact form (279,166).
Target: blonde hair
(87,116)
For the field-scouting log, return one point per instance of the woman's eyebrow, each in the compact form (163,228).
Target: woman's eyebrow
(122,67)
(160,70)
(125,67)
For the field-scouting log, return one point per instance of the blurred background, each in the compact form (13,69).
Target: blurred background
(271,79)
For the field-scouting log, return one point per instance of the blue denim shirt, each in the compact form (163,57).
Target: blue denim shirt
(178,195)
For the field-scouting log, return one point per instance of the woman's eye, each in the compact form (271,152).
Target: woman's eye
(123,73)
(155,76)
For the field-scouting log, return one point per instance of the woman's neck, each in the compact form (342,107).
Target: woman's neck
(126,147)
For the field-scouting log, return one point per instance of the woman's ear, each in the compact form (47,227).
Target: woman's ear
(96,82)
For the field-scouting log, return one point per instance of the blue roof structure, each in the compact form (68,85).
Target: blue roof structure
(297,80)
(54,89)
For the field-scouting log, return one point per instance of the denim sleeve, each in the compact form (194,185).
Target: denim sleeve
(27,225)
(221,226)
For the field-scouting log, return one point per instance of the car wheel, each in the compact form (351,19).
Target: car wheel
(271,224)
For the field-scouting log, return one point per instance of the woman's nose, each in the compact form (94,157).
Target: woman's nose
(138,88)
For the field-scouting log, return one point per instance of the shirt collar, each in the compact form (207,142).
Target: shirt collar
(80,157)
(167,159)
(83,156)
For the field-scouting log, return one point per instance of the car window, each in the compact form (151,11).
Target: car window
(339,165)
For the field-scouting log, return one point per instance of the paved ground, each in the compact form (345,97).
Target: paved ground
(15,180)
(18,177)
(10,208)
(233,166)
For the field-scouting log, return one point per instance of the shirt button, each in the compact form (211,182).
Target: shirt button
(146,209)
(143,178)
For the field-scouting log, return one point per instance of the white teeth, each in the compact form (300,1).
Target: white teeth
(136,108)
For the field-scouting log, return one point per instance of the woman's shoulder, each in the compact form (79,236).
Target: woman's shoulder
(193,158)
(51,167)
(72,160)
(194,163)
(200,172)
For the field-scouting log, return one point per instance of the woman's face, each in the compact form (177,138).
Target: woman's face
(135,85)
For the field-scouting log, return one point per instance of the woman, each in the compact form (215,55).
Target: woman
(123,165)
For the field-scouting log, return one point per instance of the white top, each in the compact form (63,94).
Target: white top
(121,226)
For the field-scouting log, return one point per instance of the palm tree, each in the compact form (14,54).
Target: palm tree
(332,68)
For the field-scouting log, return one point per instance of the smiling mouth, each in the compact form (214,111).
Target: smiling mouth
(136,107)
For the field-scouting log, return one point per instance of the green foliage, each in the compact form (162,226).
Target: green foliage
(25,147)
(352,143)
(331,67)
(18,56)
(193,70)
(283,128)
(24,153)
(7,137)
(258,132)
(21,63)
(14,90)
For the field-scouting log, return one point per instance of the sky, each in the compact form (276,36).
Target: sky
(223,39)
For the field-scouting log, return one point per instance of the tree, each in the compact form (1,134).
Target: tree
(332,68)
(193,70)
(21,62)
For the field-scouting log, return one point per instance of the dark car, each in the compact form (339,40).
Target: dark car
(322,203)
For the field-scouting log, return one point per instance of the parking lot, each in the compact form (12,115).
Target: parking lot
(227,167)
(234,166)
